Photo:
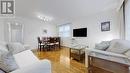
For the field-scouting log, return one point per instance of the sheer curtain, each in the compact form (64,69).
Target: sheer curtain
(64,30)
(122,22)
(65,34)
(127,19)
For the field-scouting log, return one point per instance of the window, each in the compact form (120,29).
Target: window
(64,30)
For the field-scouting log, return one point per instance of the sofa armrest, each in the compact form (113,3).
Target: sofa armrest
(105,53)
(1,71)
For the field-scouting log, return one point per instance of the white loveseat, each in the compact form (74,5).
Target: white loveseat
(117,51)
(28,63)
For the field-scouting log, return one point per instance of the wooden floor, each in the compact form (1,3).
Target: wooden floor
(61,62)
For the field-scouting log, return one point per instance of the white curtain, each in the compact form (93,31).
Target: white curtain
(122,22)
(65,34)
(127,20)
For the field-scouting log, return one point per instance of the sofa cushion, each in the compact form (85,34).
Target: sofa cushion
(7,62)
(103,45)
(89,51)
(15,48)
(119,46)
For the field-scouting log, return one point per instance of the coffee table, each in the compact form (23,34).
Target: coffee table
(77,52)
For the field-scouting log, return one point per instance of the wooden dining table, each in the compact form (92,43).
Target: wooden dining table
(51,42)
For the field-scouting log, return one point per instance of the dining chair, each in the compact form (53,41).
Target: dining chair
(45,40)
(57,42)
(40,44)
(51,43)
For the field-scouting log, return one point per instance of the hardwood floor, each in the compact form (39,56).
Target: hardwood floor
(61,63)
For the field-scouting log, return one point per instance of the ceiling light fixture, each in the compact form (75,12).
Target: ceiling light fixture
(45,18)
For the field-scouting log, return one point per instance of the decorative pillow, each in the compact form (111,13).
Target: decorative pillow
(3,49)
(128,53)
(103,45)
(119,46)
(7,62)
(15,48)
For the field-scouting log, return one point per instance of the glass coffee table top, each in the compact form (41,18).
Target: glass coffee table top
(78,47)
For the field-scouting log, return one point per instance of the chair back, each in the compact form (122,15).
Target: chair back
(52,40)
(57,39)
(45,40)
(39,41)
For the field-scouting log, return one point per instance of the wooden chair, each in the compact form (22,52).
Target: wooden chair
(51,43)
(57,42)
(40,44)
(45,41)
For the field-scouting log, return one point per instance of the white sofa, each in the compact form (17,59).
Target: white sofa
(118,51)
(29,63)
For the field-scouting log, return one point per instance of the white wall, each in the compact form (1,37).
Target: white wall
(1,30)
(127,20)
(34,28)
(4,28)
(93,24)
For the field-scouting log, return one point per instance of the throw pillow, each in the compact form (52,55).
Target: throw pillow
(103,45)
(119,46)
(128,54)
(15,48)
(7,62)
(3,49)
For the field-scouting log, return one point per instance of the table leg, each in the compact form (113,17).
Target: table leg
(70,53)
(79,55)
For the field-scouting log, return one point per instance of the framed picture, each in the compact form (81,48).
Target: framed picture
(105,26)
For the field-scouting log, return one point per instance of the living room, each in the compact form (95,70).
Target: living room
(73,25)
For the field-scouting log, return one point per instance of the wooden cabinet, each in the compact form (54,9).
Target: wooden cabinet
(98,65)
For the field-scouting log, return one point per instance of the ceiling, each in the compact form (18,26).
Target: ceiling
(63,9)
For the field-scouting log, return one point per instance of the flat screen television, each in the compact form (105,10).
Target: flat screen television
(80,32)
